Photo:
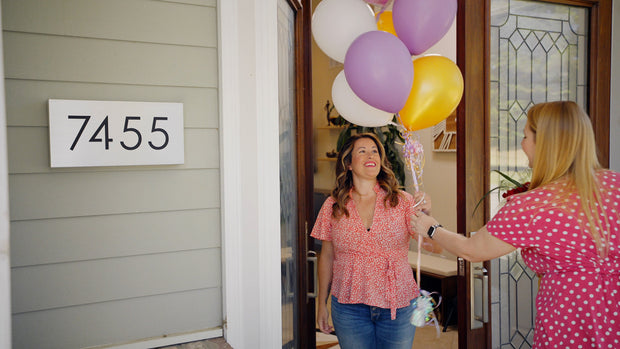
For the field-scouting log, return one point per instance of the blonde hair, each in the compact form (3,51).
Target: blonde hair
(344,178)
(565,149)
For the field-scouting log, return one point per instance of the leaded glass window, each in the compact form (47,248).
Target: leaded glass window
(539,53)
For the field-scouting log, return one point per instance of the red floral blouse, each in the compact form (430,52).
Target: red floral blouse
(371,266)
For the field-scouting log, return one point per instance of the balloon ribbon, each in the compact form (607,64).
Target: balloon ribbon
(424,305)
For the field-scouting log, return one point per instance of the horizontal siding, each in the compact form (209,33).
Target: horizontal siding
(46,241)
(33,155)
(104,255)
(159,21)
(55,195)
(99,323)
(104,280)
(59,58)
(26,100)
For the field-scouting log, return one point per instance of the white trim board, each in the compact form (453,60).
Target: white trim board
(166,341)
(250,173)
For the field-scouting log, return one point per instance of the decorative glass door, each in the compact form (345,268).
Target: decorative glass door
(538,53)
(293,32)
(289,220)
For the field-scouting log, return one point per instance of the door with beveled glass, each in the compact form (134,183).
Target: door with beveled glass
(294,102)
(532,51)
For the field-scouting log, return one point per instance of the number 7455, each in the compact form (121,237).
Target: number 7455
(106,139)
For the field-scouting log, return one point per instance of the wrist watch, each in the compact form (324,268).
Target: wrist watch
(432,229)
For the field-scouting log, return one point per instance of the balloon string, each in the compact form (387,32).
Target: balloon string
(417,269)
(414,176)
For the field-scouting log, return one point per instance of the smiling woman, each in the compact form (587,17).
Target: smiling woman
(365,229)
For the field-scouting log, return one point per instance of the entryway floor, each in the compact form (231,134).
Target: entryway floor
(425,337)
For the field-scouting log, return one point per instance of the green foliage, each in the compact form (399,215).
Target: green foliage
(507,183)
(389,136)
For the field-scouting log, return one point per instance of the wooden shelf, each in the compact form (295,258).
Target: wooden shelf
(327,159)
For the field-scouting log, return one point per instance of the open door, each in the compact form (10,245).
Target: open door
(295,130)
(548,32)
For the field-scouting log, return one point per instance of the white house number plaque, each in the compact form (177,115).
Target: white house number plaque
(111,133)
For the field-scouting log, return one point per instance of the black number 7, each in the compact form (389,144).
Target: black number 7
(77,137)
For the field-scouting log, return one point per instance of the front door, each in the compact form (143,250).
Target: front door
(295,171)
(514,53)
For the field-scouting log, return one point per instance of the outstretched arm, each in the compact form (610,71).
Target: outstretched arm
(482,246)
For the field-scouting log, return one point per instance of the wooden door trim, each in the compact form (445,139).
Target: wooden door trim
(473,19)
(305,178)
(600,74)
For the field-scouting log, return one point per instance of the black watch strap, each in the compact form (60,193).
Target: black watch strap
(432,229)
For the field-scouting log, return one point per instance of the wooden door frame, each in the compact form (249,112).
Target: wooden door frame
(305,176)
(473,47)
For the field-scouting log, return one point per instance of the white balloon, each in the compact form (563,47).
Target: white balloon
(336,23)
(355,110)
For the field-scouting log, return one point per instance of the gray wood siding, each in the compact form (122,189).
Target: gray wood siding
(108,255)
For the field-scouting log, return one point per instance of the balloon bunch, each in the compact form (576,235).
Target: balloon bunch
(378,78)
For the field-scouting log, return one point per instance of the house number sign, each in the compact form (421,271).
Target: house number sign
(111,133)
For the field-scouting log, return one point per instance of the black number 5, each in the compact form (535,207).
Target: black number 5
(158,129)
(131,129)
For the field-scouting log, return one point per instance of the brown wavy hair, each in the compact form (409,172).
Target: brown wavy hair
(344,178)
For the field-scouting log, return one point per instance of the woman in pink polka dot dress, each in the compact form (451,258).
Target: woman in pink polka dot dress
(365,228)
(567,226)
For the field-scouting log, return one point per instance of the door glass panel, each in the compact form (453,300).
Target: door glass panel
(538,54)
(288,174)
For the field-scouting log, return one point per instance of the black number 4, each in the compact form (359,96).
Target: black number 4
(103,126)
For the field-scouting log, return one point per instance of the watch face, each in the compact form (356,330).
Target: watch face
(431,231)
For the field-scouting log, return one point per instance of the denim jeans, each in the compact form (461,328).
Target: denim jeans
(360,326)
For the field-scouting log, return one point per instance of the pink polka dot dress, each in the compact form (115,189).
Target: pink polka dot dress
(578,302)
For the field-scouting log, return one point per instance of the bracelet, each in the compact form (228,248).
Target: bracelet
(431,231)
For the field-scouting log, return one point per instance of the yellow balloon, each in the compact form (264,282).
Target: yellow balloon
(436,92)
(384,22)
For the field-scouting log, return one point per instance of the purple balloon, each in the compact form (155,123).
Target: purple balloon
(422,23)
(379,70)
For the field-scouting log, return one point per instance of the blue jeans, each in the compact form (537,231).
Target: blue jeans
(361,326)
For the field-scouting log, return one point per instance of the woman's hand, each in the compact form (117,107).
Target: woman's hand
(424,200)
(421,222)
(323,319)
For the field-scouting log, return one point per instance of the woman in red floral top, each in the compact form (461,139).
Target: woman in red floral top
(365,228)
(567,225)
